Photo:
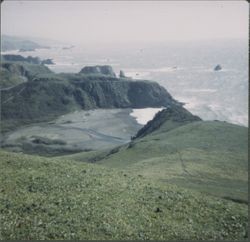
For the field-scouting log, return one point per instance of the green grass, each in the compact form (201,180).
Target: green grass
(44,198)
(8,80)
(206,156)
(14,73)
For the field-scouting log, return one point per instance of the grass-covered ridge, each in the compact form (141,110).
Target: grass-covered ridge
(14,73)
(45,198)
(167,119)
(207,156)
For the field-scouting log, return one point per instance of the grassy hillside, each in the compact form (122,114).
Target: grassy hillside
(207,156)
(44,198)
(14,73)
(9,80)
(167,119)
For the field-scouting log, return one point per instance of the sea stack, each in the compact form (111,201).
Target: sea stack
(48,62)
(217,68)
(122,75)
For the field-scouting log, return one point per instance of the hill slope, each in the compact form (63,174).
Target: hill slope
(166,120)
(14,73)
(61,199)
(208,156)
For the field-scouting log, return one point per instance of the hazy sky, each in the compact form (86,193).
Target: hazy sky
(125,21)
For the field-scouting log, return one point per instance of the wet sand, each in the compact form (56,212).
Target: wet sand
(80,130)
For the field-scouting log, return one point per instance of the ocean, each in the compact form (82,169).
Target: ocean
(185,69)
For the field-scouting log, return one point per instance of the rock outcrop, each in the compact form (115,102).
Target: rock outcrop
(29,59)
(217,68)
(122,74)
(101,70)
(171,117)
(47,62)
(26,49)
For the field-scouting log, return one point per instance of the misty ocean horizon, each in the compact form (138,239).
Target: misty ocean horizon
(185,69)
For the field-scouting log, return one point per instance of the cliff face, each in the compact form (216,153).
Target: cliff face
(45,96)
(117,93)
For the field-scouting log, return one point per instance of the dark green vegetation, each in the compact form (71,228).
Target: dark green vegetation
(207,156)
(56,198)
(41,146)
(48,95)
(17,43)
(16,72)
(29,59)
(104,70)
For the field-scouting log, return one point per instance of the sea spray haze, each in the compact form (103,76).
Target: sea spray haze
(186,70)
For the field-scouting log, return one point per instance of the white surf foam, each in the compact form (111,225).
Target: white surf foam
(143,115)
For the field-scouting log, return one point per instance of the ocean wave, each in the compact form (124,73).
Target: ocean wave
(201,90)
(143,115)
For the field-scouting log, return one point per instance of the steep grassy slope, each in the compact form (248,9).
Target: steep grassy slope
(14,73)
(8,80)
(208,156)
(167,119)
(61,199)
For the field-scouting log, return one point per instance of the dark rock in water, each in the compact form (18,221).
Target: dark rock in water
(122,75)
(217,68)
(103,70)
(26,49)
(47,62)
(68,48)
